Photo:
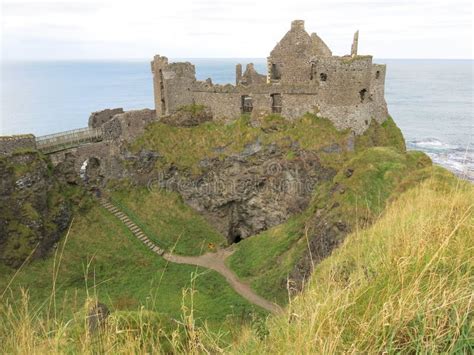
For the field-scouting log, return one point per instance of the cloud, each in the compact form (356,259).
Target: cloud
(230,28)
(47,7)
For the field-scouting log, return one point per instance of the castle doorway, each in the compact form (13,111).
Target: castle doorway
(276,103)
(247,104)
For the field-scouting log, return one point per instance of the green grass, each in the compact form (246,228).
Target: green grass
(264,260)
(192,109)
(378,175)
(403,285)
(167,220)
(101,258)
(185,147)
(386,134)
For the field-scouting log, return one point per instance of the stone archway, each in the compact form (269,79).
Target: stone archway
(90,172)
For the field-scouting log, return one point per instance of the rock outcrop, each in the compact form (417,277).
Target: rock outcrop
(188,116)
(250,192)
(34,213)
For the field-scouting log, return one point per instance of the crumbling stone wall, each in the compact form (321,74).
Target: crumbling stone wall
(10,144)
(97,119)
(302,74)
(127,125)
(251,76)
(111,153)
(172,84)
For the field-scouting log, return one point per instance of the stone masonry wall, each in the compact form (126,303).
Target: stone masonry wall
(10,144)
(97,119)
(348,90)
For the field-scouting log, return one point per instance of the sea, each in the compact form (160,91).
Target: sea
(430,100)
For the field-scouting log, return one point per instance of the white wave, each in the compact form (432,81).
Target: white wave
(457,159)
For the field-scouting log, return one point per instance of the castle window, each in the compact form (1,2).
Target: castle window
(323,76)
(362,94)
(275,72)
(276,103)
(246,104)
(377,74)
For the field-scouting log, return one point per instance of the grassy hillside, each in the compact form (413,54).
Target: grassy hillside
(403,285)
(394,257)
(185,147)
(101,259)
(167,220)
(376,175)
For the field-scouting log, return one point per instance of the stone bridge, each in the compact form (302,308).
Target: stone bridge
(69,139)
(96,154)
(93,154)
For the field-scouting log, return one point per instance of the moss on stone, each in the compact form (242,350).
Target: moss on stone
(185,147)
(193,109)
(386,134)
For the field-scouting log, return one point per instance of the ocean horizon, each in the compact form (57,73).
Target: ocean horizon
(431,100)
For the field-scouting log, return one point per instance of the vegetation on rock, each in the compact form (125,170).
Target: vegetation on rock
(382,249)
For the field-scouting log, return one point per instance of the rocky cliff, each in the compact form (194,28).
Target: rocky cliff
(251,174)
(34,208)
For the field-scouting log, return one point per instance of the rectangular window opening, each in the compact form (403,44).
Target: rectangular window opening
(276,103)
(246,104)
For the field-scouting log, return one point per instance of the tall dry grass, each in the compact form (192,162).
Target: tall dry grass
(404,285)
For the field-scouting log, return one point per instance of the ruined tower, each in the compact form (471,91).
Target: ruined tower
(302,76)
(355,44)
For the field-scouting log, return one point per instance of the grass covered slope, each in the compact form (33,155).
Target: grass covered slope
(102,259)
(185,147)
(167,220)
(354,198)
(402,285)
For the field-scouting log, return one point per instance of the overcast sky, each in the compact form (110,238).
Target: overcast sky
(138,29)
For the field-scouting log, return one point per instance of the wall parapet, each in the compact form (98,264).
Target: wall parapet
(11,144)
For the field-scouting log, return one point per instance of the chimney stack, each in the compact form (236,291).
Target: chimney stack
(297,25)
(355,44)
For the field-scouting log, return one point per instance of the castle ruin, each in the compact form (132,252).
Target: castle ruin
(303,76)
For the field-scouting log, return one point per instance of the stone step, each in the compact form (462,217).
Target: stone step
(136,230)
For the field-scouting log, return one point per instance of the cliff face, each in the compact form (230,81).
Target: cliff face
(246,193)
(250,175)
(34,212)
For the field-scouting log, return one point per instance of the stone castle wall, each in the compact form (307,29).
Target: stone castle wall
(10,144)
(303,76)
(97,119)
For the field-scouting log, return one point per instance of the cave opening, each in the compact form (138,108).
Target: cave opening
(235,237)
